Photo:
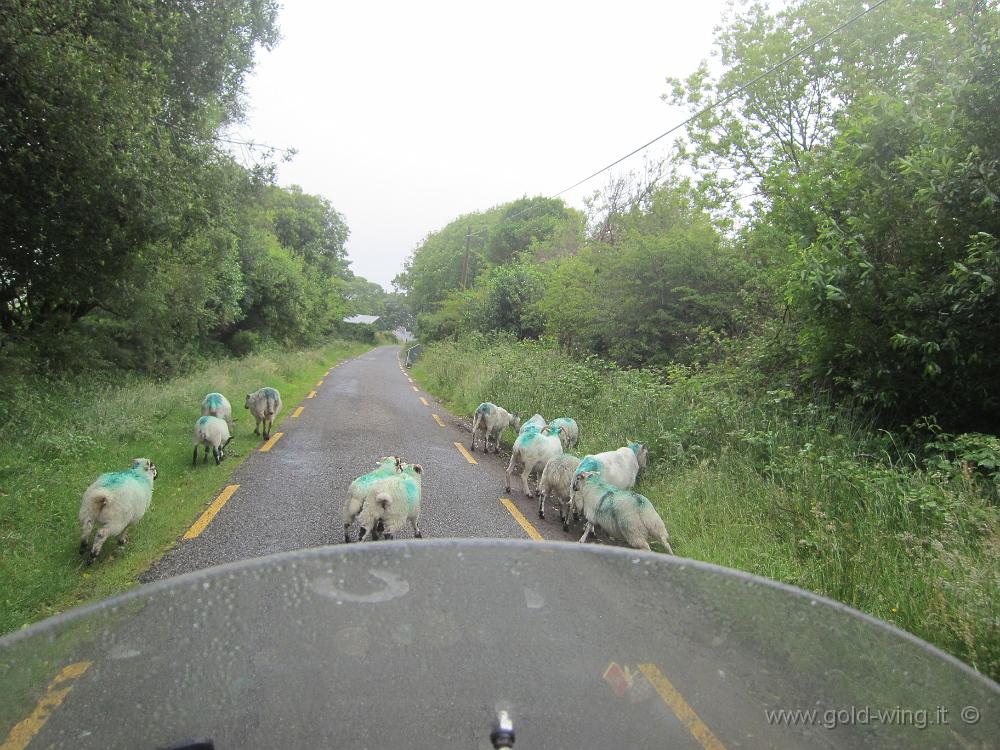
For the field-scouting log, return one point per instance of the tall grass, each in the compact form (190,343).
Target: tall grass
(58,434)
(748,475)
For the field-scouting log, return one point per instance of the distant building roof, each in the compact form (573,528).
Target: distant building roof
(362,319)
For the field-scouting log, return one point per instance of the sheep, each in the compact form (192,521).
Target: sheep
(115,501)
(264,404)
(217,405)
(537,422)
(396,502)
(621,513)
(570,431)
(362,487)
(532,450)
(619,467)
(492,420)
(557,482)
(211,432)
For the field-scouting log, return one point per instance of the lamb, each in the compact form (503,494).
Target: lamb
(532,450)
(365,486)
(264,404)
(621,513)
(396,502)
(217,405)
(569,431)
(492,420)
(115,501)
(537,422)
(211,432)
(557,482)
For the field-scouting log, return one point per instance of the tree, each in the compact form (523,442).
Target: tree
(772,126)
(108,113)
(895,292)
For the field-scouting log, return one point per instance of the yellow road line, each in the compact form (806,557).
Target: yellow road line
(298,411)
(519,517)
(206,518)
(270,443)
(24,731)
(319,384)
(438,420)
(424,401)
(672,697)
(416,390)
(468,456)
(312,394)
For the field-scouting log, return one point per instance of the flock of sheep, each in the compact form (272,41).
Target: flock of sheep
(118,499)
(597,487)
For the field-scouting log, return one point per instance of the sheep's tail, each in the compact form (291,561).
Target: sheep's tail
(270,407)
(654,524)
(96,501)
(383,500)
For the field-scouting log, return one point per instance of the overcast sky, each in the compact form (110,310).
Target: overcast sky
(406,115)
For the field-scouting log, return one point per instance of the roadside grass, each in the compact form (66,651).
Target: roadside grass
(748,475)
(56,436)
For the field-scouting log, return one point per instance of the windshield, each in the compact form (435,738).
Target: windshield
(421,643)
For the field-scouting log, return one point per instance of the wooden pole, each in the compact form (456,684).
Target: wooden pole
(465,265)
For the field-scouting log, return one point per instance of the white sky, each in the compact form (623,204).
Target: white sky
(406,115)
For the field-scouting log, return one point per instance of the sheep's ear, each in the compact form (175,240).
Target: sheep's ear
(418,468)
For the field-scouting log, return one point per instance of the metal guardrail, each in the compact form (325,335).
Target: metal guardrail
(412,353)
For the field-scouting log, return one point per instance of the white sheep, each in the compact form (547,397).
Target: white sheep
(212,432)
(492,420)
(217,405)
(537,422)
(557,482)
(264,404)
(621,513)
(532,450)
(569,431)
(619,467)
(364,487)
(115,501)
(396,502)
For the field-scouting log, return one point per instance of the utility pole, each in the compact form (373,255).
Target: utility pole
(465,265)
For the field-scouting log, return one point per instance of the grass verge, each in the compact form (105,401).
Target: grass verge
(57,436)
(748,475)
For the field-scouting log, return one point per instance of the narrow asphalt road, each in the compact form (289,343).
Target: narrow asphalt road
(292,496)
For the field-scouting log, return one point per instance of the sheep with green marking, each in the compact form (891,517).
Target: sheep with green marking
(114,502)
(365,486)
(217,405)
(492,420)
(264,404)
(532,450)
(536,422)
(212,432)
(395,503)
(569,431)
(623,514)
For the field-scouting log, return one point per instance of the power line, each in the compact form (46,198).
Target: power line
(739,90)
(729,97)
